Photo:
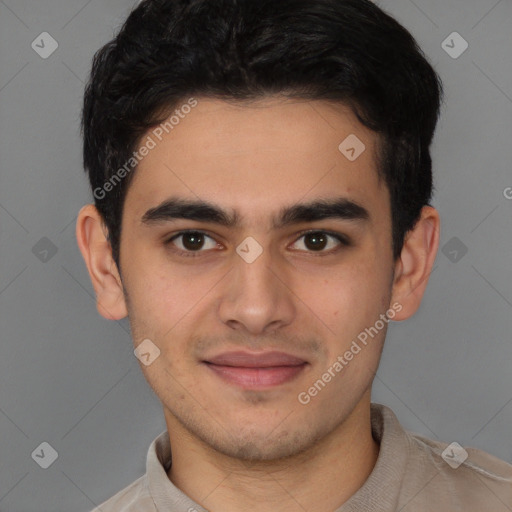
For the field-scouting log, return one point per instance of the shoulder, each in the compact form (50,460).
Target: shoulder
(134,498)
(464,478)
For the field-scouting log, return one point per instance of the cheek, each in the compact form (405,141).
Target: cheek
(350,296)
(158,287)
(357,285)
(167,306)
(156,302)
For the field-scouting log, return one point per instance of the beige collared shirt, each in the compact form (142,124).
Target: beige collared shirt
(410,475)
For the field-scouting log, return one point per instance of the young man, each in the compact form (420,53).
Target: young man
(262,178)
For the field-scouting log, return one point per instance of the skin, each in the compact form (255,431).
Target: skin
(232,446)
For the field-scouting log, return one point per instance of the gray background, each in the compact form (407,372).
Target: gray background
(69,378)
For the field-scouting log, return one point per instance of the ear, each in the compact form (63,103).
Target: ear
(413,267)
(91,234)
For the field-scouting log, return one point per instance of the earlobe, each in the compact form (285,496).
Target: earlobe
(413,268)
(97,253)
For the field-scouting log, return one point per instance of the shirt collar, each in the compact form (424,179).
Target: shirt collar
(381,490)
(379,493)
(164,493)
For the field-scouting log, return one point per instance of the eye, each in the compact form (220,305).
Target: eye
(192,241)
(321,241)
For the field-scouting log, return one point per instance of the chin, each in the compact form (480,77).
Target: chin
(265,445)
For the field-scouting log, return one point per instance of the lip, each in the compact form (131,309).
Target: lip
(255,359)
(256,370)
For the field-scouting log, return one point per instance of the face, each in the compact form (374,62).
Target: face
(255,295)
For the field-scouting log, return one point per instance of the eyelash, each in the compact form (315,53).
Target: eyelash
(342,239)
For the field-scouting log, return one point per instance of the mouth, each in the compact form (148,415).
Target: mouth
(256,370)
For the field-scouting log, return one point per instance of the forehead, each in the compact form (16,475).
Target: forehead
(258,156)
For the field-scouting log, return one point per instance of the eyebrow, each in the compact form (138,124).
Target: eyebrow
(203,211)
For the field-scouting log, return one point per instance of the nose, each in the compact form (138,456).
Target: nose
(258,298)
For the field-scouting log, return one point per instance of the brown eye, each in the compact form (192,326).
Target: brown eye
(320,241)
(193,241)
(315,241)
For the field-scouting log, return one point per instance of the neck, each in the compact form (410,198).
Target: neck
(319,479)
